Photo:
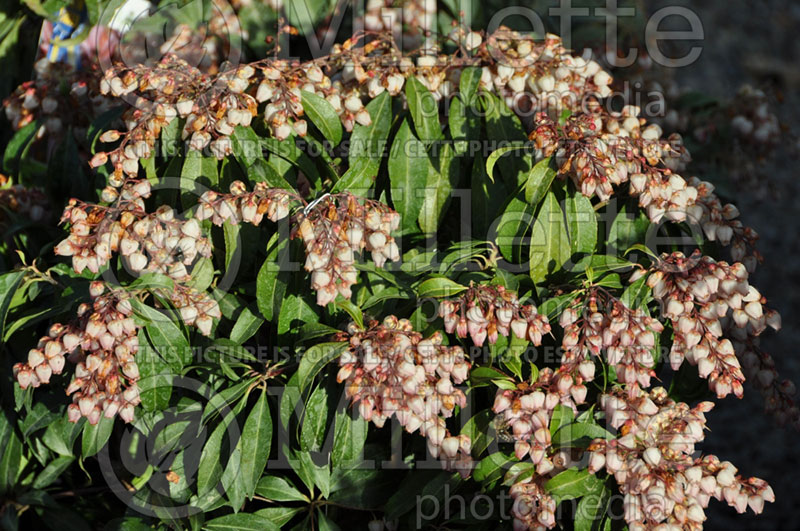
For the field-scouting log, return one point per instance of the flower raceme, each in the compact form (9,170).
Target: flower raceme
(102,344)
(603,324)
(332,229)
(389,370)
(702,298)
(485,311)
(653,462)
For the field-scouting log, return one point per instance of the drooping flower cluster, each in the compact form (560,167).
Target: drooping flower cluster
(696,294)
(102,344)
(45,99)
(390,370)
(333,228)
(485,311)
(600,150)
(528,409)
(653,464)
(157,242)
(28,202)
(603,324)
(533,507)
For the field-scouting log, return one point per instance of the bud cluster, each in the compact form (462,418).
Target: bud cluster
(157,242)
(333,228)
(44,99)
(390,370)
(485,311)
(533,507)
(527,410)
(653,464)
(699,296)
(102,344)
(20,200)
(604,324)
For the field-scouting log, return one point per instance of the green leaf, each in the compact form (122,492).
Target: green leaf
(492,467)
(325,523)
(369,141)
(549,241)
(539,180)
(352,310)
(246,145)
(359,177)
(469,83)
(637,294)
(511,228)
(11,459)
(241,522)
(279,515)
(478,430)
(627,229)
(164,335)
(256,442)
(311,473)
(315,421)
(9,282)
(439,287)
(438,189)
(323,115)
(155,384)
(270,282)
(95,437)
(279,489)
(463,123)
(52,471)
(295,309)
(591,510)
(581,222)
(572,432)
(572,483)
(349,436)
(315,359)
(562,415)
(16,146)
(408,173)
(247,324)
(424,110)
(495,157)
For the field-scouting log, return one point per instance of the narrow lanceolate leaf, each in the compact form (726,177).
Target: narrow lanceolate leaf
(463,123)
(95,437)
(549,241)
(349,437)
(511,228)
(359,177)
(270,282)
(573,483)
(315,359)
(424,110)
(247,324)
(539,180)
(164,335)
(438,189)
(469,83)
(246,145)
(155,384)
(408,173)
(491,162)
(323,115)
(278,489)
(256,442)
(439,287)
(9,282)
(581,222)
(315,420)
